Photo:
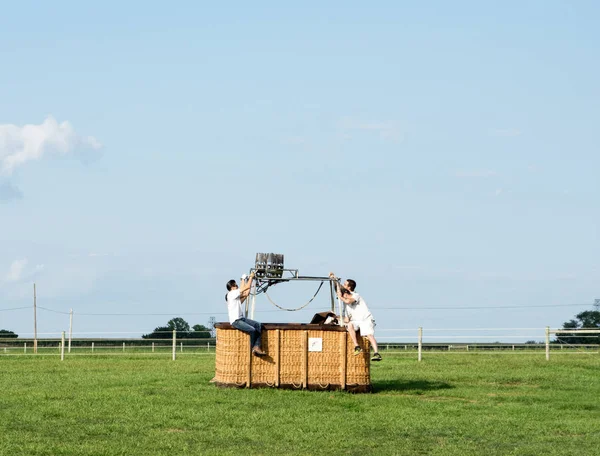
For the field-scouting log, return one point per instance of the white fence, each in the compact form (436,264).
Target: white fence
(409,341)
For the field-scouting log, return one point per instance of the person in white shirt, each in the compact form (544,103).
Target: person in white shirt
(235,297)
(358,316)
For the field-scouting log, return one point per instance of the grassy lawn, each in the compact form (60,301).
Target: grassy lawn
(449,404)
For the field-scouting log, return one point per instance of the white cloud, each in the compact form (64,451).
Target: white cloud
(15,272)
(19,145)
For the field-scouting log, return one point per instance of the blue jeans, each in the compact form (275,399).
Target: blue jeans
(251,327)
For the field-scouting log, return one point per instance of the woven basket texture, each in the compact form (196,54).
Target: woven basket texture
(289,363)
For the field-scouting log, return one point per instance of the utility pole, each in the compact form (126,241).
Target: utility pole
(597,304)
(34,321)
(211,326)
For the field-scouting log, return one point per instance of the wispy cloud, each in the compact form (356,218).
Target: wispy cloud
(9,192)
(475,173)
(15,272)
(18,271)
(390,131)
(505,132)
(22,144)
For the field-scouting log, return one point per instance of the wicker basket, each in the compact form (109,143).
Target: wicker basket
(299,356)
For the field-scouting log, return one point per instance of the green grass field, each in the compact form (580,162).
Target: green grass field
(448,404)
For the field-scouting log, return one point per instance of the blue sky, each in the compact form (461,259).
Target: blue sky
(444,155)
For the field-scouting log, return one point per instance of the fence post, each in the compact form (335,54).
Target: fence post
(174,343)
(62,347)
(92,347)
(25,347)
(208,346)
(420,342)
(123,347)
(70,328)
(152,347)
(547,343)
(181,347)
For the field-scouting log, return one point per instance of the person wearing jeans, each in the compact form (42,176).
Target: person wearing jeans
(235,297)
(358,316)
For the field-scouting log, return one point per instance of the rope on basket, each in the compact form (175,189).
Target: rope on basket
(299,308)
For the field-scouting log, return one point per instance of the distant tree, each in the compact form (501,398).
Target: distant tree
(200,332)
(165,332)
(183,331)
(160,332)
(589,319)
(6,334)
(178,324)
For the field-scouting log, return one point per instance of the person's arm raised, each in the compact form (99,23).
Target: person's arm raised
(245,287)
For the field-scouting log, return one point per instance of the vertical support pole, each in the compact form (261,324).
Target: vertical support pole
(420,343)
(92,347)
(181,347)
(249,377)
(344,353)
(332,296)
(547,343)
(152,347)
(70,328)
(305,359)
(277,357)
(62,347)
(174,343)
(34,320)
(25,347)
(123,347)
(253,301)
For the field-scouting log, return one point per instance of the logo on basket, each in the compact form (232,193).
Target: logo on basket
(315,344)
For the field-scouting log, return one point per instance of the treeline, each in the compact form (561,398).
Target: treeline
(179,325)
(182,329)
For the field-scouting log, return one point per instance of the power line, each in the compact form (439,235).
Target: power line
(51,310)
(476,307)
(126,314)
(15,308)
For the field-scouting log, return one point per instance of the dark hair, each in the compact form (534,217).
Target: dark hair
(231,284)
(351,284)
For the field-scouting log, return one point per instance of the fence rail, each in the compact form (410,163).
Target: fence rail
(417,341)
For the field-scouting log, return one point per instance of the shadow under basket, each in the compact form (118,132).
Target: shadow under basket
(298,356)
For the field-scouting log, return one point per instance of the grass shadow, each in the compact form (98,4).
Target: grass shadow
(414,386)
